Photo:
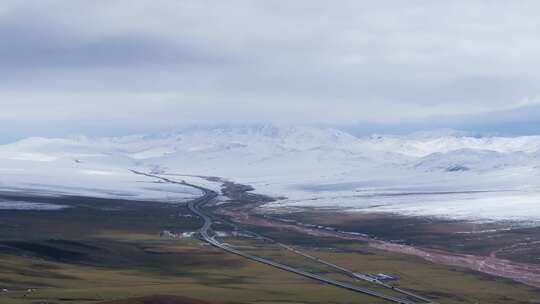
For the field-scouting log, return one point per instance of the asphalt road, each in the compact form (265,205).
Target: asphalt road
(356,275)
(195,207)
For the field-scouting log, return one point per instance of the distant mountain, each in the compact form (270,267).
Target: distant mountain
(438,133)
(472,159)
(420,146)
(295,148)
(310,166)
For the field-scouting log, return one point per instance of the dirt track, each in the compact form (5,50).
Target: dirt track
(521,272)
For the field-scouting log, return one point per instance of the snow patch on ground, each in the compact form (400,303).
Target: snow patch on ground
(20,205)
(316,167)
(84,179)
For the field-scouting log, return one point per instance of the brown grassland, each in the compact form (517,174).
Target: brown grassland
(105,250)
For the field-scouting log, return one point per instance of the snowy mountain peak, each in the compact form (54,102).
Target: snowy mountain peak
(446,150)
(438,133)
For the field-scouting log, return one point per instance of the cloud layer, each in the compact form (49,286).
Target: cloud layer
(83,66)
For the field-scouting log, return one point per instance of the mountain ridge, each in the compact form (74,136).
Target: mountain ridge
(427,151)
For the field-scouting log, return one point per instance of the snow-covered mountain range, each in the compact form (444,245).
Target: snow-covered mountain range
(266,143)
(299,162)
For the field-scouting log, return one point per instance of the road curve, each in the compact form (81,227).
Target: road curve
(195,207)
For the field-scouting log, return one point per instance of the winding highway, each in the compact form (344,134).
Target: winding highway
(205,231)
(195,207)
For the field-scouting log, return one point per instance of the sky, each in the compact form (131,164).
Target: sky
(113,67)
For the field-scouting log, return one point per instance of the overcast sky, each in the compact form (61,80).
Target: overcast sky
(116,67)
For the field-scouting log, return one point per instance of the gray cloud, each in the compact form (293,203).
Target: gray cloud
(77,66)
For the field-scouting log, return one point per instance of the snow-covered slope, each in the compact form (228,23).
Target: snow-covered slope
(261,141)
(425,143)
(306,164)
(473,159)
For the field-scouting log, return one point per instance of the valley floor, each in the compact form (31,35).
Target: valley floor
(102,249)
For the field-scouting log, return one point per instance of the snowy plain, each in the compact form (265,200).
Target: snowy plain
(446,173)
(22,205)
